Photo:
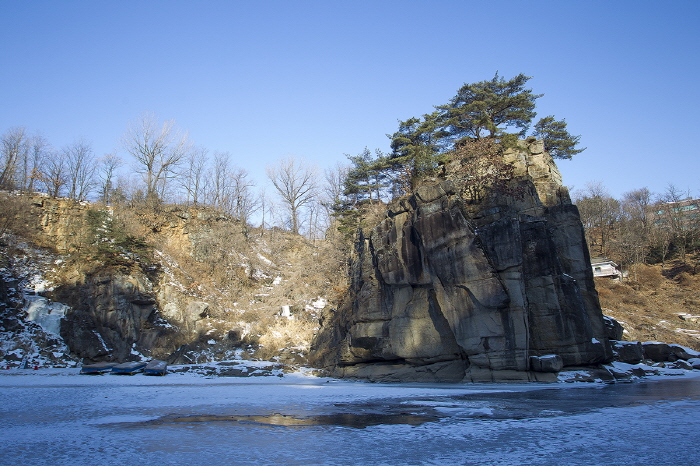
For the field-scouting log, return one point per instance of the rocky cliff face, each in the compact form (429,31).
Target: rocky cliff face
(114,316)
(117,311)
(128,283)
(451,289)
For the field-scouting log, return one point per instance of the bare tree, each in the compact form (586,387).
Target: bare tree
(192,176)
(107,168)
(334,184)
(54,174)
(672,216)
(13,153)
(229,188)
(317,220)
(158,150)
(600,214)
(81,167)
(217,182)
(634,236)
(264,204)
(243,201)
(295,183)
(39,150)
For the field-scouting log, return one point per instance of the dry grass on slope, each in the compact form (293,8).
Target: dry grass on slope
(655,304)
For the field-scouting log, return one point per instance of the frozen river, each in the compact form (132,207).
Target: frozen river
(56,417)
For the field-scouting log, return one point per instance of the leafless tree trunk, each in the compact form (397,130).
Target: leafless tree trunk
(192,177)
(158,150)
(264,209)
(15,149)
(600,214)
(108,165)
(634,234)
(295,183)
(81,167)
(674,219)
(334,184)
(244,203)
(38,152)
(217,188)
(54,174)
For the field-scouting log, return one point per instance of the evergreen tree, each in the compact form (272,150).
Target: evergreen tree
(557,140)
(364,185)
(367,177)
(499,110)
(488,108)
(416,146)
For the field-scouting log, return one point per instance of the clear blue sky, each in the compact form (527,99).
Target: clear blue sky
(319,79)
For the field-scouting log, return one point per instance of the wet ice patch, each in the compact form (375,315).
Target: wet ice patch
(46,313)
(121,419)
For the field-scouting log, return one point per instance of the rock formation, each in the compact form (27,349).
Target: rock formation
(114,316)
(447,288)
(113,312)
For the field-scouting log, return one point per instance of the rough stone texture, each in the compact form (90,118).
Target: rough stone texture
(662,352)
(613,328)
(113,317)
(59,221)
(117,314)
(683,352)
(444,289)
(628,351)
(658,351)
(681,364)
(548,363)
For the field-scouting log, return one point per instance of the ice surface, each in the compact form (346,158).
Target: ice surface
(54,416)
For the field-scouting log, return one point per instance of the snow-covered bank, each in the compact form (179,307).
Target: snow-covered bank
(241,371)
(53,416)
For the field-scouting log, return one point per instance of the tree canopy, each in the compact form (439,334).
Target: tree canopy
(489,106)
(496,108)
(367,177)
(557,140)
(471,133)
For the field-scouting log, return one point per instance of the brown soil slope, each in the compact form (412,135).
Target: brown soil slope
(655,304)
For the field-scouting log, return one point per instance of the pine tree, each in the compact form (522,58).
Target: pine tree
(557,140)
(488,108)
(367,177)
(416,146)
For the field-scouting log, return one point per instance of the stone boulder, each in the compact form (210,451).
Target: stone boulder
(684,353)
(630,352)
(548,363)
(613,328)
(658,351)
(447,288)
(664,352)
(681,364)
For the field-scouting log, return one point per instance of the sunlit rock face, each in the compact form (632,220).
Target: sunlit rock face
(451,289)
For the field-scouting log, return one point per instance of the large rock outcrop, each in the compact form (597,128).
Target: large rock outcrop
(115,307)
(114,316)
(453,289)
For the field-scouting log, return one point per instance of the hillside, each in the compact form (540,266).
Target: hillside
(184,284)
(654,303)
